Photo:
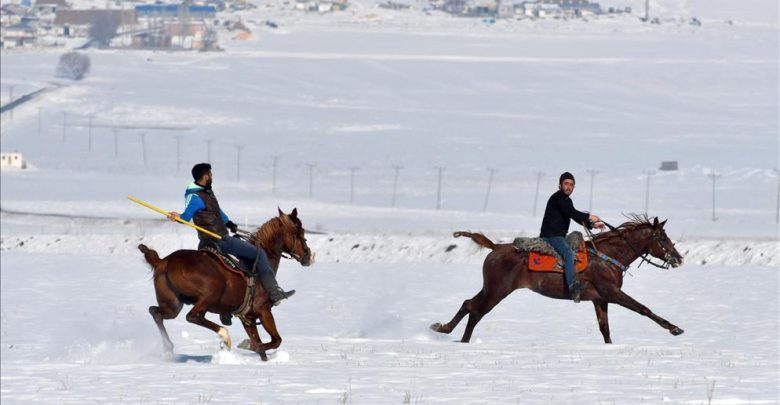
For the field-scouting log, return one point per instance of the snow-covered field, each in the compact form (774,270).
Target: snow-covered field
(344,98)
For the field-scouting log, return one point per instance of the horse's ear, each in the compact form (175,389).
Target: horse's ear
(655,222)
(663,223)
(294,213)
(281,214)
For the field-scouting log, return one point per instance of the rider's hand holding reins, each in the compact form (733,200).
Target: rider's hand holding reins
(596,221)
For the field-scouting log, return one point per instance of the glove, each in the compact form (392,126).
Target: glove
(232,226)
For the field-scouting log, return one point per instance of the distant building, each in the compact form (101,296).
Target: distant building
(176,35)
(669,165)
(76,23)
(175,11)
(49,6)
(12,161)
(20,35)
(11,14)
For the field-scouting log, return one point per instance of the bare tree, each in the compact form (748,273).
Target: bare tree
(73,65)
(103,29)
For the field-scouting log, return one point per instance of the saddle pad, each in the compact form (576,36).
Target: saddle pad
(548,263)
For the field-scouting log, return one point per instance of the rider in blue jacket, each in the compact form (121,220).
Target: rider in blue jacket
(202,207)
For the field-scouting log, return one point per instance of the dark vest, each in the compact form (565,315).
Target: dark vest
(209,218)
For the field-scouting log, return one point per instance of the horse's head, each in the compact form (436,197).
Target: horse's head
(660,246)
(294,239)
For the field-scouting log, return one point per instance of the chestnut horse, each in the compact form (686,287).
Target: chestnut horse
(506,270)
(198,278)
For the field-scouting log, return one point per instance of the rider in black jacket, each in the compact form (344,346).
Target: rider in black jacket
(557,217)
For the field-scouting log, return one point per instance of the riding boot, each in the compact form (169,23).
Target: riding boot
(226,319)
(575,289)
(275,293)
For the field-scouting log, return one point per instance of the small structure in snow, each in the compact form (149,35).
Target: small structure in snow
(12,161)
(670,165)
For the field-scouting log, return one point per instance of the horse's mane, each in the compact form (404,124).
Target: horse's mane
(634,221)
(267,233)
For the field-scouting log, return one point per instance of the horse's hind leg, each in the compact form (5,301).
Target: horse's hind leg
(601,316)
(626,301)
(197,315)
(464,309)
(485,303)
(168,307)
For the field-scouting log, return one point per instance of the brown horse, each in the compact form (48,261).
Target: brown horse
(505,270)
(199,278)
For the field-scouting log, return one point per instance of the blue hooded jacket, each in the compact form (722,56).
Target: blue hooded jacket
(193,203)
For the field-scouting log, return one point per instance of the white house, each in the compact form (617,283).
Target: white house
(12,161)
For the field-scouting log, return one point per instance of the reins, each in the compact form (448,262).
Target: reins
(644,258)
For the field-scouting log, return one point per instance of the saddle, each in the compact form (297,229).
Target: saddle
(542,256)
(231,262)
(237,266)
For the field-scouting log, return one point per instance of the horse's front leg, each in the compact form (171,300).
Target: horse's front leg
(254,344)
(269,324)
(625,300)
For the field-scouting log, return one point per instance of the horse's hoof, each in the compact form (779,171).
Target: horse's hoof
(246,345)
(436,327)
(676,331)
(263,356)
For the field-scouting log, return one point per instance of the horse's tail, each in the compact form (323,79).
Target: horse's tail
(478,238)
(152,258)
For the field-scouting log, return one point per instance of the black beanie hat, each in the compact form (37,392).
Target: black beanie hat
(564,176)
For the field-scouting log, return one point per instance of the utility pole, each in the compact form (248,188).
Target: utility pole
(438,189)
(777,211)
(490,183)
(64,125)
(273,177)
(648,173)
(238,162)
(178,152)
(536,196)
(713,176)
(395,183)
(352,184)
(143,146)
(11,100)
(89,136)
(647,10)
(592,179)
(311,179)
(116,142)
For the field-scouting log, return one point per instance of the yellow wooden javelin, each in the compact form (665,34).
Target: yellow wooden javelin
(161,211)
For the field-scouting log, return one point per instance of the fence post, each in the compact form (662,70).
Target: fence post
(395,184)
(438,189)
(536,196)
(490,183)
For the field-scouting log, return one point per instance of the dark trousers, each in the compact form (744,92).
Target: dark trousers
(559,244)
(248,253)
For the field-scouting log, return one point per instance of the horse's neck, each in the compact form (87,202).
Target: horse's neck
(624,249)
(268,237)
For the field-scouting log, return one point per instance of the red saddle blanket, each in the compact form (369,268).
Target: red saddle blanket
(542,262)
